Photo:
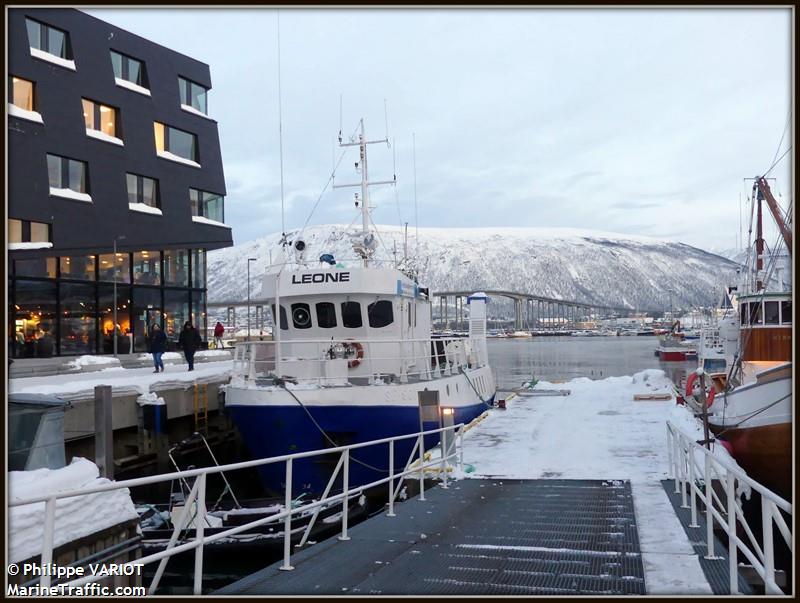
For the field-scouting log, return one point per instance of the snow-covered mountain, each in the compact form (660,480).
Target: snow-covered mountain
(583,265)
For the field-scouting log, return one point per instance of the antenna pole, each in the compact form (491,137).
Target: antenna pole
(280,128)
(416,215)
(364,188)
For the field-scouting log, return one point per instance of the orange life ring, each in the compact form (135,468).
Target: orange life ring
(690,387)
(359,354)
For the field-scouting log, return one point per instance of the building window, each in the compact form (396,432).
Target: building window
(105,295)
(175,144)
(78,267)
(207,205)
(100,118)
(39,232)
(128,69)
(21,93)
(351,315)
(176,312)
(380,314)
(36,267)
(142,190)
(326,315)
(193,95)
(147,267)
(67,175)
(199,317)
(198,268)
(47,39)
(115,267)
(146,312)
(176,267)
(34,317)
(14,231)
(77,319)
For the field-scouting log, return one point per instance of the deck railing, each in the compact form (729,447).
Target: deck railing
(310,361)
(451,444)
(691,465)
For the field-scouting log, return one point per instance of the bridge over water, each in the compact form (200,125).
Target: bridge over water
(529,309)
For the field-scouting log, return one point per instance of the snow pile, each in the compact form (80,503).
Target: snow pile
(586,265)
(75,518)
(164,356)
(150,399)
(213,354)
(82,361)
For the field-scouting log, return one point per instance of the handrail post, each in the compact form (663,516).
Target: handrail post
(287,522)
(733,548)
(443,464)
(421,467)
(709,500)
(692,486)
(769,552)
(47,539)
(684,477)
(670,438)
(461,448)
(676,444)
(199,531)
(391,479)
(345,492)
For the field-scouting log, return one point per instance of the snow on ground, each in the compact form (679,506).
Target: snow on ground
(212,353)
(600,432)
(82,361)
(75,517)
(123,381)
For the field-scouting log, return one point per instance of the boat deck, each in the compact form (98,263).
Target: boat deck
(479,536)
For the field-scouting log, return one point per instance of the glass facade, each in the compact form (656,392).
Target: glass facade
(65,305)
(207,205)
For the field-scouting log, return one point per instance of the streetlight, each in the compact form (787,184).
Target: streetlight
(114,263)
(248,296)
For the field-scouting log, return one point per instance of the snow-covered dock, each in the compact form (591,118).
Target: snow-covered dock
(575,467)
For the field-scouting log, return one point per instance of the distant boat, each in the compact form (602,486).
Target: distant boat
(520,334)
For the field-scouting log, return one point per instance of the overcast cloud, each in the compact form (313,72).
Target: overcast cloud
(635,121)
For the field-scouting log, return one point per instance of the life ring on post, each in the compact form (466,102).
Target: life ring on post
(690,389)
(359,353)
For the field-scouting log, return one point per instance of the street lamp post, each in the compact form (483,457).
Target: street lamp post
(248,296)
(114,264)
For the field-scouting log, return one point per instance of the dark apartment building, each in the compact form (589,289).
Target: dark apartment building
(115,186)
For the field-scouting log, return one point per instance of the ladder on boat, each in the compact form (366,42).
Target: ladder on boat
(201,408)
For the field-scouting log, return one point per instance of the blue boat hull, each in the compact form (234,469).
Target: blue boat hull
(270,431)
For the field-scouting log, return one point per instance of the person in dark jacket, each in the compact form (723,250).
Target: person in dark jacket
(189,341)
(158,345)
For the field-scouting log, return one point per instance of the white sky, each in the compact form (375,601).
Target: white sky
(639,121)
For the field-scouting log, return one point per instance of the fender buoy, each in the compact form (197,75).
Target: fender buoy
(359,354)
(709,395)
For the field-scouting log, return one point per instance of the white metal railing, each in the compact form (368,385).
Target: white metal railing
(309,360)
(687,470)
(195,507)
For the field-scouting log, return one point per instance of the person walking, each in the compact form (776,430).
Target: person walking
(218,331)
(189,340)
(158,345)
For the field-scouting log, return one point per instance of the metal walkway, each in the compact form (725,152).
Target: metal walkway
(715,570)
(479,537)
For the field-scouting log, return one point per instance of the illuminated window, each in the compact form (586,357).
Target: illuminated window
(21,93)
(100,118)
(14,231)
(175,142)
(193,95)
(40,233)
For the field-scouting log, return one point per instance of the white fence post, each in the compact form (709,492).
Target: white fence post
(709,500)
(345,492)
(769,553)
(287,522)
(733,548)
(692,487)
(199,531)
(47,539)
(391,479)
(421,467)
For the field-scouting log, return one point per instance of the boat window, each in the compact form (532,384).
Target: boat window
(771,316)
(755,314)
(301,316)
(415,314)
(743,308)
(380,314)
(351,315)
(326,315)
(448,391)
(408,305)
(786,312)
(284,321)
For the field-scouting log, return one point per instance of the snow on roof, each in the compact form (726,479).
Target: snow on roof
(76,517)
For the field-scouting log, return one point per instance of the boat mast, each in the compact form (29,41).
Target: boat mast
(365,183)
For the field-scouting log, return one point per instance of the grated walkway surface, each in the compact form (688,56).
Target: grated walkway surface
(715,570)
(481,537)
